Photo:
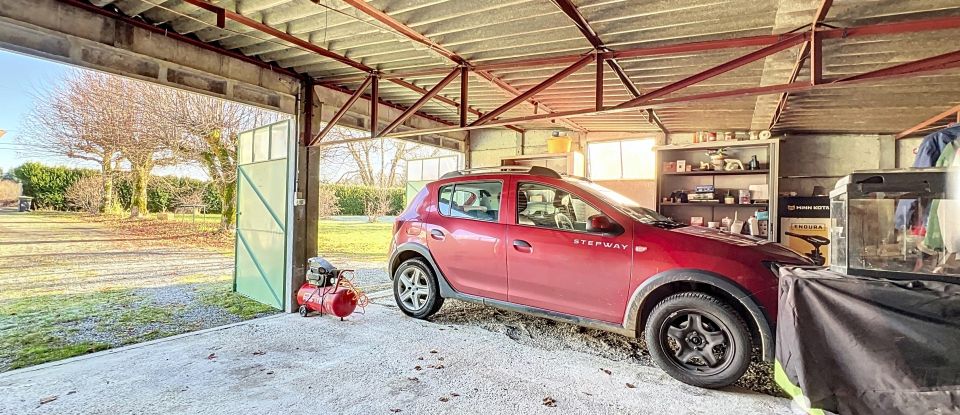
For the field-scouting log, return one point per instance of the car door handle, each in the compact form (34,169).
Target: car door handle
(522,246)
(436,234)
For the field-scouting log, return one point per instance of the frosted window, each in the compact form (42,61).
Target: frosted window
(278,141)
(604,160)
(415,170)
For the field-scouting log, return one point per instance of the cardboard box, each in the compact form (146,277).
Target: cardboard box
(805,216)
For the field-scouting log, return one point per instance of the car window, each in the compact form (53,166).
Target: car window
(549,207)
(471,200)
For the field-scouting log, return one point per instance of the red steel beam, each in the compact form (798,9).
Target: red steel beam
(464,94)
(914,26)
(535,89)
(945,61)
(822,11)
(591,35)
(929,121)
(374,105)
(341,112)
(420,102)
(817,67)
(443,99)
(410,33)
(284,36)
(715,71)
(598,93)
(782,103)
(253,24)
(403,29)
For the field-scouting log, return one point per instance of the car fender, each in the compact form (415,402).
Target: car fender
(757,313)
(446,290)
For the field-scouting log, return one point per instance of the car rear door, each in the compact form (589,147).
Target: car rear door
(568,271)
(465,235)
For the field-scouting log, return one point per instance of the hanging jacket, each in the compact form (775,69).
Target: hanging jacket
(942,223)
(927,156)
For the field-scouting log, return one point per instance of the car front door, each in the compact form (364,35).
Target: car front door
(556,262)
(466,237)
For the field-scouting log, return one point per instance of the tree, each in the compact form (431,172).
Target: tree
(209,129)
(374,162)
(72,119)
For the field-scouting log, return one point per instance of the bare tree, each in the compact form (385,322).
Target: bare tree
(150,141)
(374,162)
(71,119)
(209,129)
(86,194)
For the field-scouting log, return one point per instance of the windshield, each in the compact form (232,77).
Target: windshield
(625,204)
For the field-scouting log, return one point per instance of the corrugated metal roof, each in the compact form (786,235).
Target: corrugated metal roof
(483,31)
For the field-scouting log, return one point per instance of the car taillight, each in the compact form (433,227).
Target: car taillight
(397,224)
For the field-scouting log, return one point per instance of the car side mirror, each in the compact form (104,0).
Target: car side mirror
(603,224)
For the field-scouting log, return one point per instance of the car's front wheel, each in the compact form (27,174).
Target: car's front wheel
(698,340)
(416,289)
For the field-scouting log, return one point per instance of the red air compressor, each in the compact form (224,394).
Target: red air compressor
(328,291)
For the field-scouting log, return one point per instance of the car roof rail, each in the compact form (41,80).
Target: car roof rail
(532,170)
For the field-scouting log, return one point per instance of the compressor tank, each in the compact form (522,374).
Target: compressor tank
(336,300)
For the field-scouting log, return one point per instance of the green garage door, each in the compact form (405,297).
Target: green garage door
(264,213)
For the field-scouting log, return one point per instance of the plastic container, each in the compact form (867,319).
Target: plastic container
(558,145)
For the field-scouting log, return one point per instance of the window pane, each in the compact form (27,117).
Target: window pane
(445,193)
(638,159)
(415,170)
(278,141)
(547,207)
(245,147)
(431,169)
(448,164)
(261,144)
(604,160)
(479,201)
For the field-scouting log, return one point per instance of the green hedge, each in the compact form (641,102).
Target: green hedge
(47,185)
(352,199)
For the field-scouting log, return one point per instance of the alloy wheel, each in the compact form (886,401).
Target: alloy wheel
(413,288)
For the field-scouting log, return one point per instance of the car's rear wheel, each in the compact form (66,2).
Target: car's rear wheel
(698,340)
(416,290)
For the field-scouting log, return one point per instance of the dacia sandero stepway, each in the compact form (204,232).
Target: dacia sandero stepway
(568,249)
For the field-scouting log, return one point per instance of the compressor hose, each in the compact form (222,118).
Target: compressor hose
(362,300)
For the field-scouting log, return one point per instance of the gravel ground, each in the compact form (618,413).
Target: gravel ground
(550,335)
(376,363)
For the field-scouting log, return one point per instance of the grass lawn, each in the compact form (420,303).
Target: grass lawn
(359,241)
(72,284)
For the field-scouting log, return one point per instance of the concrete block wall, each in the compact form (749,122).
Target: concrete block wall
(489,146)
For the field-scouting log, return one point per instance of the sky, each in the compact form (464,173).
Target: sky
(20,79)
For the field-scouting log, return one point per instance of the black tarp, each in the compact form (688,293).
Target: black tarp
(858,345)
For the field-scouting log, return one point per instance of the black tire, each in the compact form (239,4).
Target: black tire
(303,311)
(722,337)
(427,304)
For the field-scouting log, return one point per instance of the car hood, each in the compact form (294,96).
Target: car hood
(772,251)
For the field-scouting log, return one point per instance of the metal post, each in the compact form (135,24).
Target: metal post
(598,99)
(464,91)
(374,104)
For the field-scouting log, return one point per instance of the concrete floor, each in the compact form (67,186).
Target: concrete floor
(365,365)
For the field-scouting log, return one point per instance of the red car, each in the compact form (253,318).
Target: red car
(571,250)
